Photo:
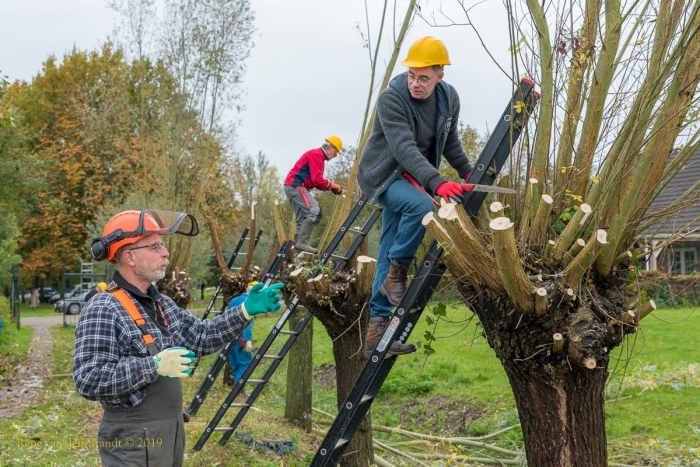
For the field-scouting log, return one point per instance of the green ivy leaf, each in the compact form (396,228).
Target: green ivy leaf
(428,350)
(428,336)
(440,310)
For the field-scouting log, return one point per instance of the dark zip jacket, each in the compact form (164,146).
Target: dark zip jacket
(391,148)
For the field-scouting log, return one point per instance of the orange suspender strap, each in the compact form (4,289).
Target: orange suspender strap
(126,302)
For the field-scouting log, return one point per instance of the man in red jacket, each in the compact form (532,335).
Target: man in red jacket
(306,174)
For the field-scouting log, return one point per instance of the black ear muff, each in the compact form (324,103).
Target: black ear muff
(100,246)
(99,249)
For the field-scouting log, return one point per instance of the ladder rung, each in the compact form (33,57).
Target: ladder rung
(272,357)
(223,428)
(366,398)
(238,404)
(257,381)
(344,258)
(285,331)
(341,442)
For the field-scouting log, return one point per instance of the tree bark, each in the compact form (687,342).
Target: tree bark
(557,413)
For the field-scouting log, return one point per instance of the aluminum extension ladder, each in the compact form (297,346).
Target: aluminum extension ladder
(276,359)
(376,369)
(222,359)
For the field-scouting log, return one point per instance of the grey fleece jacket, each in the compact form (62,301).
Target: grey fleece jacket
(391,148)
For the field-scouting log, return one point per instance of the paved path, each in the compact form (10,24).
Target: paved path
(28,378)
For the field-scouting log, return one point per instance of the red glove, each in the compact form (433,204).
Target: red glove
(466,175)
(336,189)
(450,190)
(467,187)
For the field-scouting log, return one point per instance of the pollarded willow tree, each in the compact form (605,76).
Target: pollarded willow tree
(548,271)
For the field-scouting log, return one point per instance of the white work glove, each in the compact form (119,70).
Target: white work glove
(249,346)
(174,362)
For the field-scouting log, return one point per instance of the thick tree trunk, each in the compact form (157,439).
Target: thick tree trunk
(334,302)
(562,415)
(557,367)
(300,374)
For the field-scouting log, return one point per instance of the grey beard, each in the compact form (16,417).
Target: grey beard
(150,275)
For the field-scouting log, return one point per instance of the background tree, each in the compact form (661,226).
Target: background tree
(75,124)
(549,274)
(12,171)
(203,45)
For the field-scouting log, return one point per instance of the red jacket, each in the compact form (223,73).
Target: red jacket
(308,171)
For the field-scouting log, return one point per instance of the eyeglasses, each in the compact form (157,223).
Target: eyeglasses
(421,79)
(158,246)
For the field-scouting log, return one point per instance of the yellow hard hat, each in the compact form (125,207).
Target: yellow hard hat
(427,51)
(102,286)
(251,284)
(336,142)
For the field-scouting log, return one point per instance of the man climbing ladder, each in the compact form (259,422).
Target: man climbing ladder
(416,124)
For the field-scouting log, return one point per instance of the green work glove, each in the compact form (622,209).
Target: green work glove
(263,300)
(174,362)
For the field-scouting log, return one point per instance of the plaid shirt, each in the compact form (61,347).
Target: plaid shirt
(111,362)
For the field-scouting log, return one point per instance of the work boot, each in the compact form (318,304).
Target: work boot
(302,243)
(374,333)
(394,286)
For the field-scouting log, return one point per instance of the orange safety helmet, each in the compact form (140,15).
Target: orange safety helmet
(426,51)
(131,226)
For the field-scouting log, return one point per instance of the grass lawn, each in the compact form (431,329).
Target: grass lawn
(460,390)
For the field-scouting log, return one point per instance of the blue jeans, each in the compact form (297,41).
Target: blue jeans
(402,233)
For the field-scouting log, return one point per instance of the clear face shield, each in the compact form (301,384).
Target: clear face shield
(166,223)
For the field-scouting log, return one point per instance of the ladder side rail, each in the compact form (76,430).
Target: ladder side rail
(358,240)
(267,376)
(224,353)
(369,371)
(338,448)
(497,150)
(221,281)
(211,427)
(343,229)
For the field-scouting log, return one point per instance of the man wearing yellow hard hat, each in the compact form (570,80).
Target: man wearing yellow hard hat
(307,174)
(415,126)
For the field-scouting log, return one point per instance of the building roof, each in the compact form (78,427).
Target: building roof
(687,219)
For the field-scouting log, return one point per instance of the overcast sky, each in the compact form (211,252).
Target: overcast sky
(308,74)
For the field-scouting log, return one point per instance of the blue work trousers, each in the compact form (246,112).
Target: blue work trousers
(402,233)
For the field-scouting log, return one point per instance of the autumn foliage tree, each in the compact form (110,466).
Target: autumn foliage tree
(76,123)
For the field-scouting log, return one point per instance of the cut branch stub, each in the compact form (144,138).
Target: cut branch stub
(573,273)
(510,266)
(455,261)
(496,208)
(557,342)
(644,309)
(541,300)
(460,228)
(540,224)
(365,270)
(571,232)
(573,251)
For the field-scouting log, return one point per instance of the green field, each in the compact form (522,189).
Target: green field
(461,390)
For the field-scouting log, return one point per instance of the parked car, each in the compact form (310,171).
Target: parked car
(47,294)
(68,294)
(70,305)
